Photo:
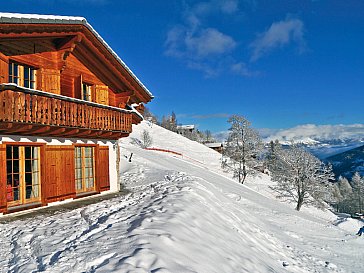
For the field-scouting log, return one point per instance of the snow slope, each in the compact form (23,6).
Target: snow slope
(182,215)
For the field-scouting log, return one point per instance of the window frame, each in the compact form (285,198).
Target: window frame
(82,179)
(17,74)
(86,91)
(22,188)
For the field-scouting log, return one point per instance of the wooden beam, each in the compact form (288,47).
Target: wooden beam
(6,125)
(19,128)
(69,43)
(71,132)
(56,131)
(40,130)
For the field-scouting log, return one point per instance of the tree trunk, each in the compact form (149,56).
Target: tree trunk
(244,174)
(299,202)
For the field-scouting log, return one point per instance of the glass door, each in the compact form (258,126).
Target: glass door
(84,168)
(23,174)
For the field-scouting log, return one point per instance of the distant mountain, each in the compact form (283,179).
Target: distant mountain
(322,140)
(349,162)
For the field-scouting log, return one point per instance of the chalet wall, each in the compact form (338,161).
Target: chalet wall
(57,163)
(59,74)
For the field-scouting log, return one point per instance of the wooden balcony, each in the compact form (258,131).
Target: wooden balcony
(36,113)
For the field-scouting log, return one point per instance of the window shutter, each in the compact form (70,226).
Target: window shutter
(102,169)
(2,177)
(4,71)
(102,94)
(59,177)
(51,80)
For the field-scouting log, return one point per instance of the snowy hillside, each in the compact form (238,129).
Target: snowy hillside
(182,215)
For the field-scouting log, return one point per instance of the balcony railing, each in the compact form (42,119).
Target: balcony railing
(31,107)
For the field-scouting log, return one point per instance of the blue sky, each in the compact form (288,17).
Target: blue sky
(280,63)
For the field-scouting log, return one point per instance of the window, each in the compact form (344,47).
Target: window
(86,91)
(13,73)
(22,75)
(84,168)
(23,174)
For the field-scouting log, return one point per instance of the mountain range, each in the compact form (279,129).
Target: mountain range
(322,140)
(349,162)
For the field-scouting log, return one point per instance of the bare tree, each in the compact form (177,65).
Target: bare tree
(146,140)
(301,177)
(169,122)
(242,148)
(208,137)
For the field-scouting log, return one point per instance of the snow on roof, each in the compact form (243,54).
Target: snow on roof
(19,18)
(186,127)
(214,144)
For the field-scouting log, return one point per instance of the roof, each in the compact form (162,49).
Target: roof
(18,18)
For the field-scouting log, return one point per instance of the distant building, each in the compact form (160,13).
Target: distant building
(217,146)
(185,129)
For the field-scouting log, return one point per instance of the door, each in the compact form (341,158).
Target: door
(23,174)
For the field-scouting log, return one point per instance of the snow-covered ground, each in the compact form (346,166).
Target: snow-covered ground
(183,215)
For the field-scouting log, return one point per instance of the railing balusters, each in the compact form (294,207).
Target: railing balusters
(35,109)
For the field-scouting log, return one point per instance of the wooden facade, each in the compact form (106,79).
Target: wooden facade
(60,81)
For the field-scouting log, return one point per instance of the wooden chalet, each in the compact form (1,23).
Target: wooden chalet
(65,100)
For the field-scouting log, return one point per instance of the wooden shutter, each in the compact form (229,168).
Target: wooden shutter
(51,80)
(102,94)
(2,177)
(102,168)
(4,71)
(59,176)
(78,87)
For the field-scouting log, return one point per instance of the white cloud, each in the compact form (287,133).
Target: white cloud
(202,47)
(315,132)
(209,41)
(278,35)
(242,70)
(215,6)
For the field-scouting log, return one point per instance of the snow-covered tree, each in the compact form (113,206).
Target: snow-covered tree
(148,115)
(301,177)
(357,183)
(273,151)
(345,187)
(335,196)
(169,122)
(242,149)
(146,140)
(346,203)
(208,137)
